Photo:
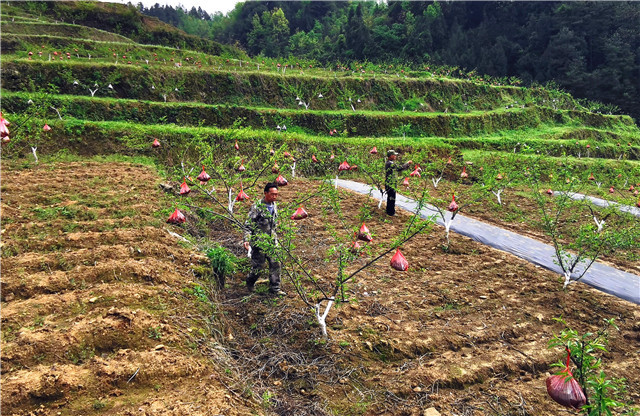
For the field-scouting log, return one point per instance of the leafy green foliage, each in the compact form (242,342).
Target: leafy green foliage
(604,394)
(223,263)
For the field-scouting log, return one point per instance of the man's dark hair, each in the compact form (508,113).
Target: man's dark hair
(269,186)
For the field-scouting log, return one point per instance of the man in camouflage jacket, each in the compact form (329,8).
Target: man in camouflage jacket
(260,235)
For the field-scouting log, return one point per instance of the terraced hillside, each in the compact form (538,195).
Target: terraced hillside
(106,312)
(90,79)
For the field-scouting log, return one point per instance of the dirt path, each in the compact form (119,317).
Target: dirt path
(98,311)
(600,276)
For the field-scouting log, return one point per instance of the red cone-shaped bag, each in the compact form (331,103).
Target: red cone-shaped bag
(313,159)
(236,145)
(565,390)
(416,172)
(398,262)
(281,181)
(275,168)
(242,195)
(184,188)
(353,167)
(241,168)
(4,127)
(204,176)
(405,182)
(464,173)
(344,166)
(354,247)
(176,218)
(453,207)
(332,156)
(549,192)
(155,143)
(592,178)
(300,214)
(373,151)
(286,154)
(364,234)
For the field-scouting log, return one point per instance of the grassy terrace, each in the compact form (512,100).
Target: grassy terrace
(68,30)
(372,123)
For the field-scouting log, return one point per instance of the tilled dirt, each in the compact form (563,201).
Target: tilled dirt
(113,321)
(97,317)
(464,330)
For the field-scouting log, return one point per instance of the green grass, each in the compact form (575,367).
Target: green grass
(532,120)
(64,156)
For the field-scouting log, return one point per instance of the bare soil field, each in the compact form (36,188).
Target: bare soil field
(95,315)
(106,313)
(463,331)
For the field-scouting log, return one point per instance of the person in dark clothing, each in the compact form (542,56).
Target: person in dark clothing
(391,169)
(260,232)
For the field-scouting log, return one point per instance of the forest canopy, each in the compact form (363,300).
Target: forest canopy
(591,49)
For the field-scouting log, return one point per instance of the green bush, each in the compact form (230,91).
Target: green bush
(223,263)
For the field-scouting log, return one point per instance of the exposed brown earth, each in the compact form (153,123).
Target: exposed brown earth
(84,308)
(95,294)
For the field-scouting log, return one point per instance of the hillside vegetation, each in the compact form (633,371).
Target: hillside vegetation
(107,309)
(588,48)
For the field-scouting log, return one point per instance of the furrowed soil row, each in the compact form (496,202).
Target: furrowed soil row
(100,311)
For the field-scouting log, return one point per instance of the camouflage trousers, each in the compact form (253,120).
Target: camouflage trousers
(257,261)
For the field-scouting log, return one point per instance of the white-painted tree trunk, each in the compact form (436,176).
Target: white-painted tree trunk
(436,181)
(447,227)
(58,112)
(497,194)
(232,201)
(33,149)
(336,182)
(599,224)
(322,319)
(567,279)
(293,170)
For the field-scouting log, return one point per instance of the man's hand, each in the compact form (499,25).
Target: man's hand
(410,162)
(246,245)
